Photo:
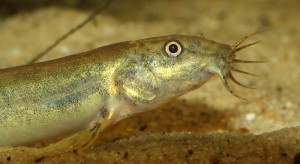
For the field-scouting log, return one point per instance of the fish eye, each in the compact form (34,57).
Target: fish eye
(173,48)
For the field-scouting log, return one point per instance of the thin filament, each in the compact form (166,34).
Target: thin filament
(237,82)
(243,47)
(246,37)
(225,83)
(240,71)
(247,61)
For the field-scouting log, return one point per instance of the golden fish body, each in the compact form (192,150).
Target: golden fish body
(86,92)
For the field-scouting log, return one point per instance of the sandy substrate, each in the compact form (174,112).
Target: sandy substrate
(208,125)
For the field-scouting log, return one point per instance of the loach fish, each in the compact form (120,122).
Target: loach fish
(85,93)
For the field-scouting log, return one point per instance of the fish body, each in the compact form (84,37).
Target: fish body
(84,93)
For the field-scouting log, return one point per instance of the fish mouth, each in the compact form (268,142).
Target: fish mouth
(226,74)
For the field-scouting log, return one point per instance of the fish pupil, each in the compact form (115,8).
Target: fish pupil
(173,48)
